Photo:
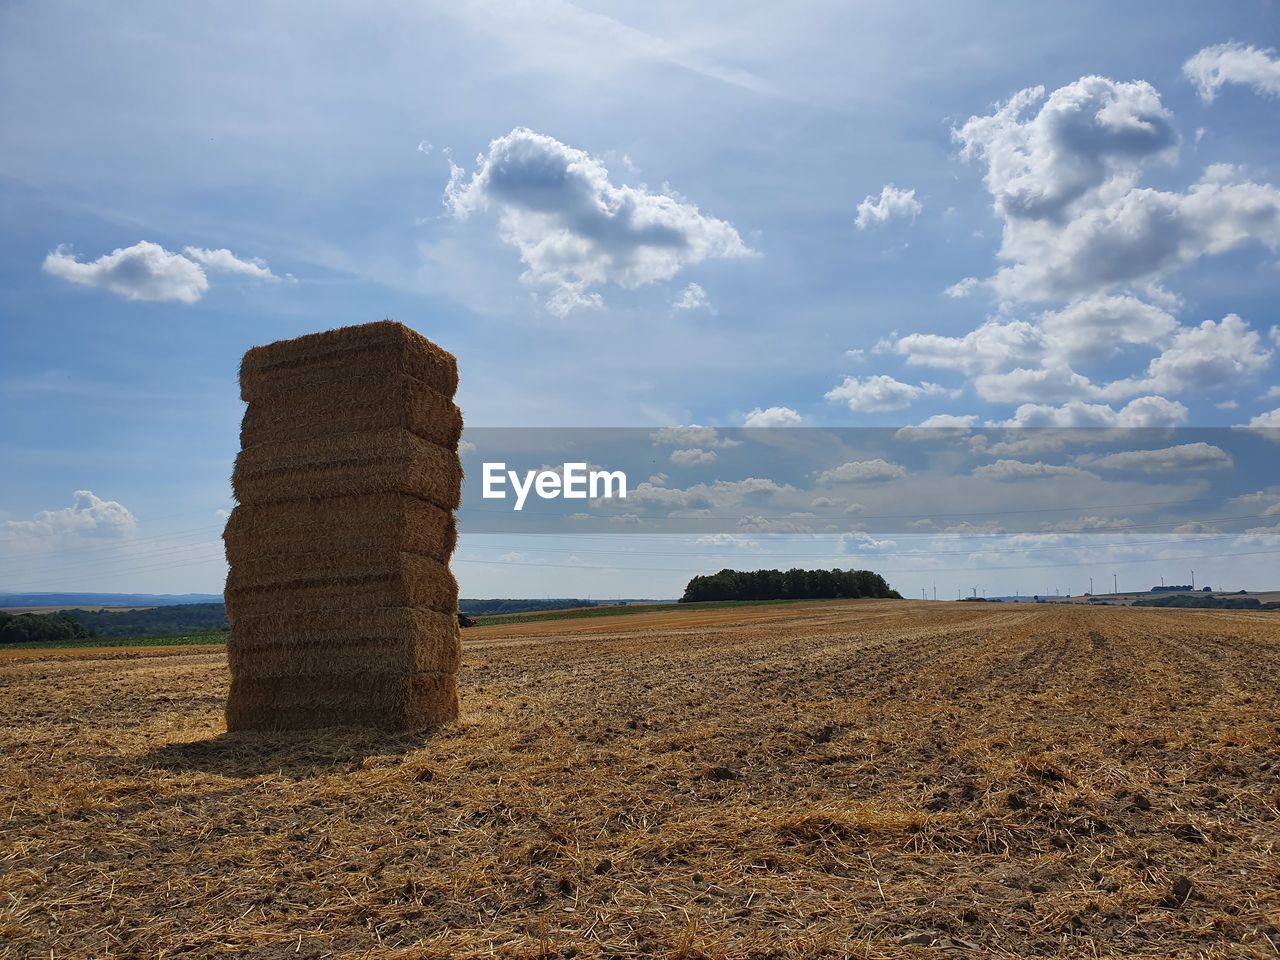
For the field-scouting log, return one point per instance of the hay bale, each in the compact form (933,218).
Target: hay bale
(371,349)
(330,581)
(397,639)
(343,610)
(282,412)
(384,522)
(349,464)
(387,700)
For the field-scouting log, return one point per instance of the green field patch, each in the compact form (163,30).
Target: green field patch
(178,640)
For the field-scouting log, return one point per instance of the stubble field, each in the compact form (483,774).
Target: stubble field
(861,779)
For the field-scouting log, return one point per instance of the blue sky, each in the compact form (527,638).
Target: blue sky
(617,215)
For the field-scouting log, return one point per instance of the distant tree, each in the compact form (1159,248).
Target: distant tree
(793,584)
(153,621)
(66,625)
(1201,602)
(46,628)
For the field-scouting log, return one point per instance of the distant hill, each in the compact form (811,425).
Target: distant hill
(70,616)
(96,600)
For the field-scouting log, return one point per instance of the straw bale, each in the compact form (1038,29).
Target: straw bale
(388,522)
(389,461)
(279,628)
(378,348)
(396,639)
(348,582)
(398,701)
(343,609)
(283,412)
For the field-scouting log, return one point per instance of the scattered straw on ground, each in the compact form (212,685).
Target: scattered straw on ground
(864,779)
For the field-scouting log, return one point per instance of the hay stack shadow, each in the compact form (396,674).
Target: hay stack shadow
(295,755)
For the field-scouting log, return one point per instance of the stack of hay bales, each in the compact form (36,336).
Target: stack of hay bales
(342,607)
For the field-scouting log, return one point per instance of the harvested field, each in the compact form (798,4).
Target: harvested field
(864,779)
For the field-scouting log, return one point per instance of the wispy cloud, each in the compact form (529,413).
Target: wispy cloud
(1214,67)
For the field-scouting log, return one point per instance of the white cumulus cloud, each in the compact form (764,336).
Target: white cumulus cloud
(879,393)
(574,228)
(1081,234)
(1084,134)
(1211,355)
(227,262)
(992,346)
(147,271)
(1137,236)
(1143,412)
(940,425)
(1063,174)
(1096,327)
(1005,471)
(891,203)
(1267,424)
(89,515)
(1048,383)
(863,471)
(1184,456)
(693,456)
(772,417)
(693,435)
(144,271)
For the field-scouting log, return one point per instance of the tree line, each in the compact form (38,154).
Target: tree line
(1202,602)
(44,627)
(64,625)
(793,584)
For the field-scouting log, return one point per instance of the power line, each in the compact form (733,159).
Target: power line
(84,563)
(170,516)
(126,570)
(104,544)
